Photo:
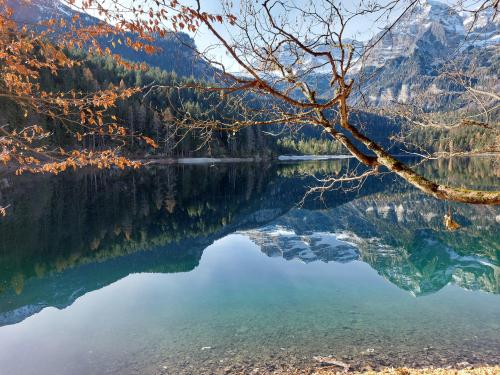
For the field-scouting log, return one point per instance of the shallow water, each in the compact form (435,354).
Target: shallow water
(197,270)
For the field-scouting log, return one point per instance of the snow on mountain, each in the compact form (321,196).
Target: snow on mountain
(40,10)
(437,27)
(406,62)
(431,25)
(483,30)
(279,241)
(407,58)
(393,262)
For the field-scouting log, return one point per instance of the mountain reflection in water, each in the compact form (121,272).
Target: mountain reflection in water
(71,234)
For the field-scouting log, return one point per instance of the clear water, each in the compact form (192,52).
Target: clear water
(200,269)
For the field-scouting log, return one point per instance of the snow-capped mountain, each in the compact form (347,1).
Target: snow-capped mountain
(406,61)
(483,30)
(275,240)
(399,64)
(431,25)
(438,28)
(422,266)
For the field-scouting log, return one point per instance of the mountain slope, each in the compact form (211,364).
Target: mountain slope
(409,59)
(176,50)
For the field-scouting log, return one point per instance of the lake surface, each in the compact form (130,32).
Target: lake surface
(205,269)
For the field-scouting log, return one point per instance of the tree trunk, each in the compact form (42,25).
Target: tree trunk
(429,187)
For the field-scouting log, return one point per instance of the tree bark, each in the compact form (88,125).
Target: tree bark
(434,189)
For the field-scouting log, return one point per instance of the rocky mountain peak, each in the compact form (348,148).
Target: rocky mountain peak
(409,57)
(429,19)
(438,27)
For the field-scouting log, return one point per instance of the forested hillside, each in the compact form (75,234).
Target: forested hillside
(151,113)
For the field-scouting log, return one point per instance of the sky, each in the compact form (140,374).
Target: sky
(361,28)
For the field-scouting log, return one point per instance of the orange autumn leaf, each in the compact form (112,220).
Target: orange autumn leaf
(150,141)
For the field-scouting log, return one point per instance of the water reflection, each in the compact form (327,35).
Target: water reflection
(71,234)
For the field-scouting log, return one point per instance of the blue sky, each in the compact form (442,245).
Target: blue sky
(361,28)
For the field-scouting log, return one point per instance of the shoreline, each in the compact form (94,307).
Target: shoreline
(210,361)
(338,369)
(199,160)
(220,160)
(484,370)
(227,160)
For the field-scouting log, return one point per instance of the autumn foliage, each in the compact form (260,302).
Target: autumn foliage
(261,35)
(27,50)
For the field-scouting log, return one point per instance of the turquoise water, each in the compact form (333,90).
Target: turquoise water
(240,278)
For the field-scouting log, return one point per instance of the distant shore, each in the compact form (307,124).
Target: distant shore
(211,160)
(198,160)
(223,160)
(284,158)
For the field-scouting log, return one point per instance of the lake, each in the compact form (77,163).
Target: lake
(189,269)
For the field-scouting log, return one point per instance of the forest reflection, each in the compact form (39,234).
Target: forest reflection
(161,219)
